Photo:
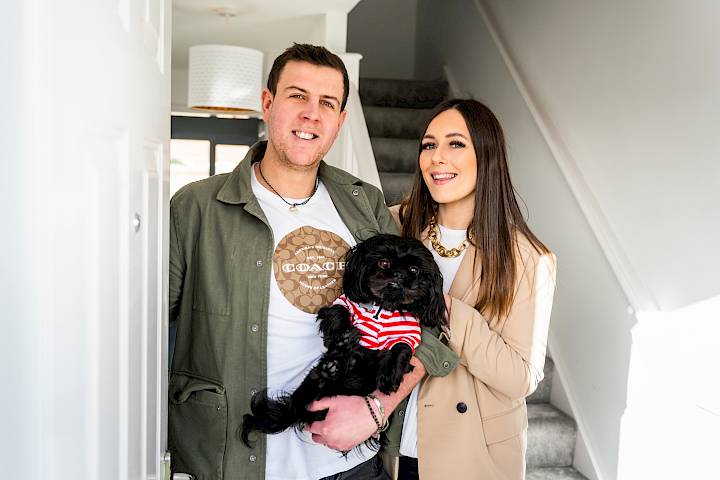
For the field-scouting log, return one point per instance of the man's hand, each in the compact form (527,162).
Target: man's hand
(347,424)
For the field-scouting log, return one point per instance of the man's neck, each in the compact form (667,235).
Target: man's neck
(286,181)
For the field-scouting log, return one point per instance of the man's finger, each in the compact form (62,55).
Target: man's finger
(321,404)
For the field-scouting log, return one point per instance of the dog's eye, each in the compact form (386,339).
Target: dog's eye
(384,263)
(414,270)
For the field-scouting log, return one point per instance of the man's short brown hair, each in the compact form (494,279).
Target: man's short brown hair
(313,54)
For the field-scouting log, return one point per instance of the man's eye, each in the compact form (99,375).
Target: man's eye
(414,270)
(384,264)
(297,95)
(329,104)
(427,146)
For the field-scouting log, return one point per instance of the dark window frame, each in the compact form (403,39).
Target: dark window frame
(218,131)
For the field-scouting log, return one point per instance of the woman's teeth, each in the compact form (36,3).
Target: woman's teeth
(444,176)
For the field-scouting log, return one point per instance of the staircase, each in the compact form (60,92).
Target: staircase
(395,113)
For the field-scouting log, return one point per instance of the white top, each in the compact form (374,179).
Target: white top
(448,267)
(307,266)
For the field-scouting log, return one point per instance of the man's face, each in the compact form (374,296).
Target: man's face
(304,117)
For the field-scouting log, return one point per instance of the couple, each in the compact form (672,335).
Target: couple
(245,314)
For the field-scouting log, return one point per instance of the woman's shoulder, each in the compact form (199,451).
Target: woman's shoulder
(395,212)
(530,254)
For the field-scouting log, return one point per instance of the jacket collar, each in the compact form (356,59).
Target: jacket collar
(237,188)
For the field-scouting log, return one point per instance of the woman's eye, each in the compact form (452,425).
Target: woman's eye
(384,264)
(414,270)
(427,146)
(457,144)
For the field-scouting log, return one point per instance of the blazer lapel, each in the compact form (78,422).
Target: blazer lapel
(466,282)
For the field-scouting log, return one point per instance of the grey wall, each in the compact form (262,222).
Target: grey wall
(383,31)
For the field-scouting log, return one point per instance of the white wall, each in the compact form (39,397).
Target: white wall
(384,33)
(611,111)
(633,88)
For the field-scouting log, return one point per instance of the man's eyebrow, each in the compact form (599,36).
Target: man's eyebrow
(293,87)
(330,97)
(325,97)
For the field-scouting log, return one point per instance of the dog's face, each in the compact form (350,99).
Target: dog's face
(398,273)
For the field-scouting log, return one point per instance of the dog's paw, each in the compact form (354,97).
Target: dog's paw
(329,369)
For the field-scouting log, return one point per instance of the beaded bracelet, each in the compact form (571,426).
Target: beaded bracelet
(381,409)
(372,412)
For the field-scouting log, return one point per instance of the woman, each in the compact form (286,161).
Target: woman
(500,281)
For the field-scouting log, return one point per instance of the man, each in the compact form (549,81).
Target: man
(253,255)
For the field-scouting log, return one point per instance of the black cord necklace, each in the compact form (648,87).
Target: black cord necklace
(293,206)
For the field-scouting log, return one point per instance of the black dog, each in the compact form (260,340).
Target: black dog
(394,273)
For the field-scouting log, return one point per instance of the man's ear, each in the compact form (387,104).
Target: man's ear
(343,114)
(267,100)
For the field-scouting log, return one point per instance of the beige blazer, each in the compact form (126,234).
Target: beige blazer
(472,424)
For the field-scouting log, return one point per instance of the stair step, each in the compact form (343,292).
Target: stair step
(542,393)
(551,437)
(399,155)
(402,93)
(554,473)
(396,122)
(395,186)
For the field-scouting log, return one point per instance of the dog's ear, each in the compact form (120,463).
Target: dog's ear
(356,271)
(435,309)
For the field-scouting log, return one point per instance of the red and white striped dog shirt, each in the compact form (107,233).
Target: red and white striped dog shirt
(382,329)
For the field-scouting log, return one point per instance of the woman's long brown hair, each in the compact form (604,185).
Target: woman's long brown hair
(497,219)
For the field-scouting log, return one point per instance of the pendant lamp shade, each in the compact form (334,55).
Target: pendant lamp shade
(225,78)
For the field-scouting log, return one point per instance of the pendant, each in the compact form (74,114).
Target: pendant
(293,208)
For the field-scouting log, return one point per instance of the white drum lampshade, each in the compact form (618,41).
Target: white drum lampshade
(225,78)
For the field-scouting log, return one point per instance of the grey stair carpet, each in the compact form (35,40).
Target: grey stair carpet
(542,392)
(402,93)
(395,113)
(396,122)
(551,437)
(554,473)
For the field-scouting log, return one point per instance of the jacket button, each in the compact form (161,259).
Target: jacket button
(446,364)
(355,192)
(259,263)
(254,327)
(401,413)
(461,407)
(252,458)
(252,392)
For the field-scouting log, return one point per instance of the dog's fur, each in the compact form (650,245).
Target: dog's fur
(347,368)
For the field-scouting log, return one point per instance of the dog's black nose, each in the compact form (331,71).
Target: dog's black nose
(399,275)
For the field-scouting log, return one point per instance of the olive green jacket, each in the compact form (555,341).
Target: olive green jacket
(219,287)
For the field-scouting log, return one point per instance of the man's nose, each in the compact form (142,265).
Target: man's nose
(311,111)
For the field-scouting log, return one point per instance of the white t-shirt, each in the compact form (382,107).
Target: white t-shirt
(309,246)
(448,267)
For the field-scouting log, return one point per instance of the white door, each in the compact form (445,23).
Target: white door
(86,97)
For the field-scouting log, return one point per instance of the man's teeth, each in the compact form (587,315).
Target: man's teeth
(304,135)
(444,176)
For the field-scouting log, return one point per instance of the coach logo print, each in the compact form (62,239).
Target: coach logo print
(309,265)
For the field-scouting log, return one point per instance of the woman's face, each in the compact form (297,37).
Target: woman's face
(448,161)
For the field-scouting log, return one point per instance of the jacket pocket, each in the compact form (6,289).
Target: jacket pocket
(505,425)
(197,425)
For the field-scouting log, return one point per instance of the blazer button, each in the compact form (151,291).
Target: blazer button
(461,407)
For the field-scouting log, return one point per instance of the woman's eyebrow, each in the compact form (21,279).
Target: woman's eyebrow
(455,134)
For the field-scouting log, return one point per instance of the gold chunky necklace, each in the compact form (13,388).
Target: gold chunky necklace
(434,233)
